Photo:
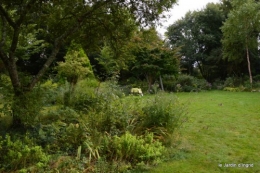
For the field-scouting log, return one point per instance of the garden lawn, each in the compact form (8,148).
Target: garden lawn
(223,128)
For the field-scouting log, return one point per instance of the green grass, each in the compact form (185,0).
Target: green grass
(223,128)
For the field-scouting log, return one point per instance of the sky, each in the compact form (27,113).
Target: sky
(181,9)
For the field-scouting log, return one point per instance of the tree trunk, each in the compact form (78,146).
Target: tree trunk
(10,65)
(149,81)
(248,64)
(161,83)
(201,69)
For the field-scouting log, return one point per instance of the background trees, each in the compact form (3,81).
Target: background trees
(199,35)
(211,40)
(152,58)
(241,32)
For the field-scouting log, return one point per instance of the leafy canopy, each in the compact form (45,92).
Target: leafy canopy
(199,36)
(241,29)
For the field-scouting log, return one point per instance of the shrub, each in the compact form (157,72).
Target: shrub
(185,83)
(113,117)
(229,82)
(83,85)
(218,84)
(231,89)
(21,154)
(76,66)
(5,88)
(185,80)
(202,84)
(6,121)
(188,83)
(87,98)
(169,82)
(51,92)
(256,85)
(62,129)
(256,78)
(28,106)
(135,149)
(86,102)
(235,81)
(83,96)
(64,114)
(112,86)
(23,108)
(242,83)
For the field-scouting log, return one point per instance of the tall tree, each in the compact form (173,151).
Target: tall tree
(179,34)
(199,35)
(152,57)
(241,31)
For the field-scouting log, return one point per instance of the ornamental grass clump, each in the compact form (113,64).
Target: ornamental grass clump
(162,117)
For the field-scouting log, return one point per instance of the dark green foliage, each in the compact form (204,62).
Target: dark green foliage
(6,119)
(93,98)
(61,129)
(256,78)
(5,87)
(218,84)
(186,83)
(85,102)
(152,57)
(169,82)
(51,91)
(112,116)
(26,107)
(198,35)
(235,81)
(241,83)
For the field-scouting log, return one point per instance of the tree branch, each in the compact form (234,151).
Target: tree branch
(3,57)
(6,16)
(12,70)
(45,66)
(58,43)
(3,37)
(17,26)
(25,11)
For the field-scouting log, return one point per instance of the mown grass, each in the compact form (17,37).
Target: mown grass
(223,128)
